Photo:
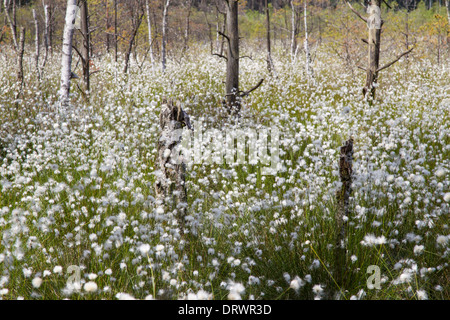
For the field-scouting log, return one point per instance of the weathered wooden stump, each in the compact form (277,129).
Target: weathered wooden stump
(343,196)
(170,181)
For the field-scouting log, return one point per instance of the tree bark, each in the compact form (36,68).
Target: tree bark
(309,69)
(164,35)
(343,197)
(115,30)
(46,27)
(187,29)
(293,31)
(170,181)
(36,41)
(374,22)
(66,61)
(232,80)
(85,48)
(107,35)
(20,51)
(269,49)
(130,46)
(150,38)
(11,22)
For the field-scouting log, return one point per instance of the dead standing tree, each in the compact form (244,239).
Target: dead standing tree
(375,24)
(343,202)
(170,182)
(233,94)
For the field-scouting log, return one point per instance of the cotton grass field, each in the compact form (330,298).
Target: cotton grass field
(78,218)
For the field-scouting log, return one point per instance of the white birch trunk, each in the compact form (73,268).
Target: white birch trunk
(448,11)
(150,38)
(46,27)
(36,40)
(164,34)
(66,60)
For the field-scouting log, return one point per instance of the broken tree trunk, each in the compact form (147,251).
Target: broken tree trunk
(374,23)
(170,182)
(343,197)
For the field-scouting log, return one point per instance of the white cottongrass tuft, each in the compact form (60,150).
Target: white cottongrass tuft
(36,282)
(297,283)
(447,197)
(442,240)
(371,240)
(124,296)
(57,269)
(422,295)
(418,249)
(236,289)
(90,286)
(144,248)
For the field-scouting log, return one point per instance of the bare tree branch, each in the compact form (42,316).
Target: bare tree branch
(398,58)
(246,93)
(356,12)
(220,55)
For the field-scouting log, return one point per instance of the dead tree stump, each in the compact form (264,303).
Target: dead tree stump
(170,181)
(343,196)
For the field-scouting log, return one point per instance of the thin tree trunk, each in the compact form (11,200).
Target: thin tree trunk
(85,46)
(66,61)
(293,30)
(187,30)
(115,30)
(11,23)
(50,27)
(343,202)
(130,46)
(46,27)
(36,40)
(164,34)
(232,81)
(20,51)
(107,35)
(150,38)
(309,69)
(374,22)
(448,10)
(269,50)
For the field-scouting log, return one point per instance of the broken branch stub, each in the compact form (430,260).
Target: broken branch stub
(170,181)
